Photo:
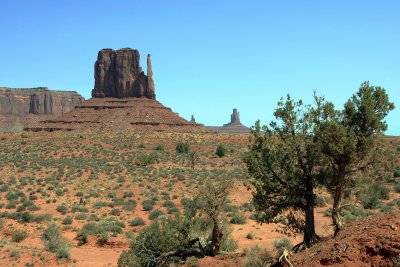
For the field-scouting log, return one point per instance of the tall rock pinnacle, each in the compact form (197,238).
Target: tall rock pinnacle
(117,73)
(150,81)
(235,117)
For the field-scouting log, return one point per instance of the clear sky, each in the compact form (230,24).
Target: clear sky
(210,56)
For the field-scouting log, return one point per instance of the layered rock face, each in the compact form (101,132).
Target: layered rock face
(19,105)
(118,74)
(38,101)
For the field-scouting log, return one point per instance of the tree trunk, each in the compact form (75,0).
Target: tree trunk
(215,238)
(337,201)
(309,227)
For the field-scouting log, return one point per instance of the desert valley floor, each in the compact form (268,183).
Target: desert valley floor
(78,178)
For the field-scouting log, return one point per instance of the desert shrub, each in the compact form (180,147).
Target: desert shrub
(173,209)
(67,220)
(387,208)
(250,236)
(397,187)
(93,217)
(396,172)
(159,147)
(192,262)
(148,204)
(281,244)
(81,216)
(62,209)
(247,207)
(145,160)
(168,204)
(238,218)
(371,196)
(54,241)
(18,235)
(127,194)
(100,229)
(155,214)
(138,221)
(79,208)
(130,205)
(33,197)
(320,201)
(115,212)
(159,237)
(182,147)
(256,257)
(220,151)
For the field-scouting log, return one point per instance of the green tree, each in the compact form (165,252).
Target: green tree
(350,141)
(284,161)
(209,201)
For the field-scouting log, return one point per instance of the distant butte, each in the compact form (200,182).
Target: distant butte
(123,98)
(234,126)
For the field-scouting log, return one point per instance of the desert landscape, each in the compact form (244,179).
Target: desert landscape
(205,153)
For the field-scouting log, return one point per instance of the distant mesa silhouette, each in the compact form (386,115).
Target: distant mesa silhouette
(234,126)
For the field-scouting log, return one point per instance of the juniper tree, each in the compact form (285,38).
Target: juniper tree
(350,141)
(284,162)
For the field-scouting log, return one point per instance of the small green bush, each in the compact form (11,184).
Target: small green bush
(281,244)
(397,187)
(138,221)
(18,235)
(250,236)
(62,209)
(159,147)
(182,147)
(54,241)
(256,257)
(371,196)
(155,214)
(221,151)
(238,218)
(148,204)
(67,221)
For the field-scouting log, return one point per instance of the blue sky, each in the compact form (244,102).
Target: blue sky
(210,56)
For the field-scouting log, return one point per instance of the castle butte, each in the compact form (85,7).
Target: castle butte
(234,126)
(123,98)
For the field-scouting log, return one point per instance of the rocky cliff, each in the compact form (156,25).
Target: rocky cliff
(38,101)
(18,105)
(118,74)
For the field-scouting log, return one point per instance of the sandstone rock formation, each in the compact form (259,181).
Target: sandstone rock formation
(123,99)
(118,74)
(235,126)
(235,117)
(20,105)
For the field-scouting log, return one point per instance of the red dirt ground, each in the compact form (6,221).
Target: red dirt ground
(374,241)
